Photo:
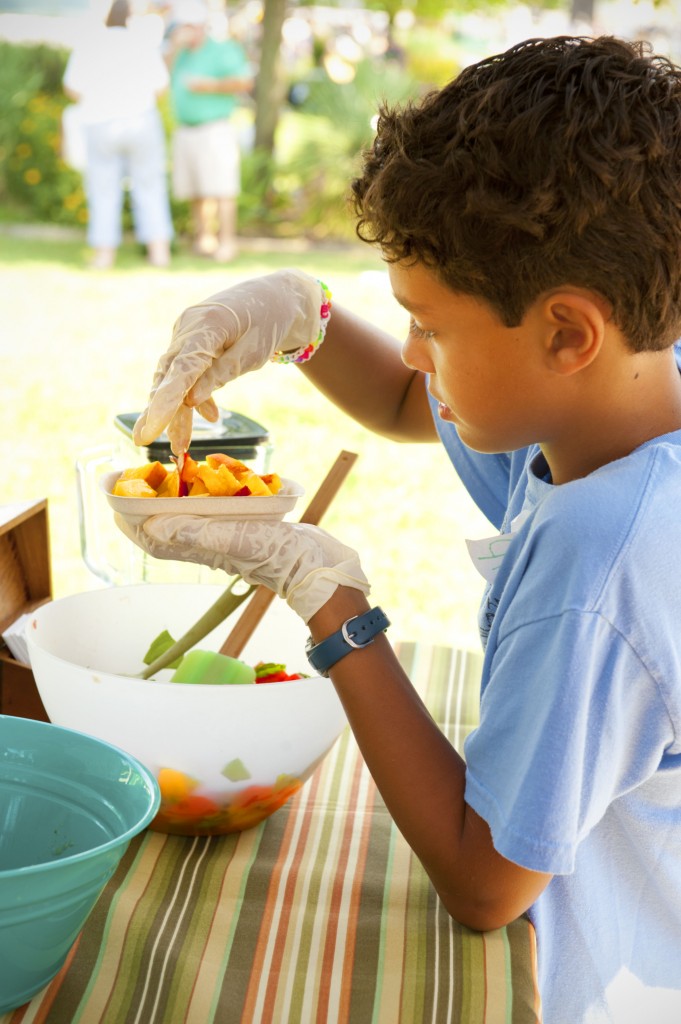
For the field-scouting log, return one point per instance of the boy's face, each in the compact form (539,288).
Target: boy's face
(492,381)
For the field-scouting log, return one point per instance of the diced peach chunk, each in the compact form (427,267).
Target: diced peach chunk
(198,488)
(220,476)
(235,466)
(273,481)
(170,488)
(153,472)
(189,470)
(134,488)
(255,484)
(219,482)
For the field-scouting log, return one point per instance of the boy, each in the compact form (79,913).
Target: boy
(530,218)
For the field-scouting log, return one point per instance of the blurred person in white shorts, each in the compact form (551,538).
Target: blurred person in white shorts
(117,75)
(206,77)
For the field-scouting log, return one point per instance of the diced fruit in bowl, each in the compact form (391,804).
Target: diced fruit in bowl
(220,476)
(226,756)
(185,811)
(219,487)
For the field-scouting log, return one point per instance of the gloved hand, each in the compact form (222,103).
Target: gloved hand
(301,563)
(227,334)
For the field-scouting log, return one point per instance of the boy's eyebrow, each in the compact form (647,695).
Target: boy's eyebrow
(411,307)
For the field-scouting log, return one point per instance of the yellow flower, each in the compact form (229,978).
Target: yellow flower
(82,216)
(27,125)
(32,176)
(73,201)
(24,150)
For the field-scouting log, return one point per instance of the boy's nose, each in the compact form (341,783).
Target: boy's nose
(415,354)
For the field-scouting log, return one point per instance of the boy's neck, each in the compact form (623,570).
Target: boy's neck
(636,399)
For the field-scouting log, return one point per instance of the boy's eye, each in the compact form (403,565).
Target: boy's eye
(419,332)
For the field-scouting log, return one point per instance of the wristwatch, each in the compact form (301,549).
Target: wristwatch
(354,634)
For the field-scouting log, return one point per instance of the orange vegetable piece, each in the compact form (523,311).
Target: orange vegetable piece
(191,808)
(175,785)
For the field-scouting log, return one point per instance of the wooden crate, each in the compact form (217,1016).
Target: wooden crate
(25,583)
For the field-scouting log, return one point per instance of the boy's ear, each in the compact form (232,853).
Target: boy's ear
(576,324)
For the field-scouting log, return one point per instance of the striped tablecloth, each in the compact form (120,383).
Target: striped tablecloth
(321,914)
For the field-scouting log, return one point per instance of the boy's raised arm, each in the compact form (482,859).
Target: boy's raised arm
(360,369)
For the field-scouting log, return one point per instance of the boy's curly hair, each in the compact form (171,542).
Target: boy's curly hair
(556,162)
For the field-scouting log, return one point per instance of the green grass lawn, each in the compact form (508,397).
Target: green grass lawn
(78,347)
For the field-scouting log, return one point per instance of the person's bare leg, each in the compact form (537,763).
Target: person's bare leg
(158,253)
(205,240)
(227,246)
(102,259)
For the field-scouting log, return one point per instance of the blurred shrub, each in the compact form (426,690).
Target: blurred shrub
(318,151)
(350,107)
(36,176)
(434,56)
(301,190)
(32,172)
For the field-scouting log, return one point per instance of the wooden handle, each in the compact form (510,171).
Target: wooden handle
(262,597)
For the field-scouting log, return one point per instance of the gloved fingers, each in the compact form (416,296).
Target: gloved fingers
(174,390)
(279,310)
(209,410)
(199,337)
(246,354)
(242,537)
(138,535)
(179,430)
(213,542)
(143,431)
(300,562)
(130,531)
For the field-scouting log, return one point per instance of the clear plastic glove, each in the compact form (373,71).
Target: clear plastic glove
(227,334)
(301,563)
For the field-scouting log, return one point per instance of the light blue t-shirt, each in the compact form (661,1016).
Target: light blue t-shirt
(576,763)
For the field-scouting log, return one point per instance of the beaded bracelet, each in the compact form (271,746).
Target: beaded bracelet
(305,352)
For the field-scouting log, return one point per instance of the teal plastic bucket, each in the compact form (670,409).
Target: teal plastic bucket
(69,806)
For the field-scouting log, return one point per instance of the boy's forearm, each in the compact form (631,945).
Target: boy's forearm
(422,779)
(360,369)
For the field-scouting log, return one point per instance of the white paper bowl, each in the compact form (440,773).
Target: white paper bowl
(83,650)
(136,510)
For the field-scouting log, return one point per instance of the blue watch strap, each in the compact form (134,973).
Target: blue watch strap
(354,634)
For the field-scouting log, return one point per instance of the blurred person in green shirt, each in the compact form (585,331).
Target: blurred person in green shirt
(206,77)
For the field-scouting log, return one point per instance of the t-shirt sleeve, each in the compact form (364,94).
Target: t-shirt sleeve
(569,720)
